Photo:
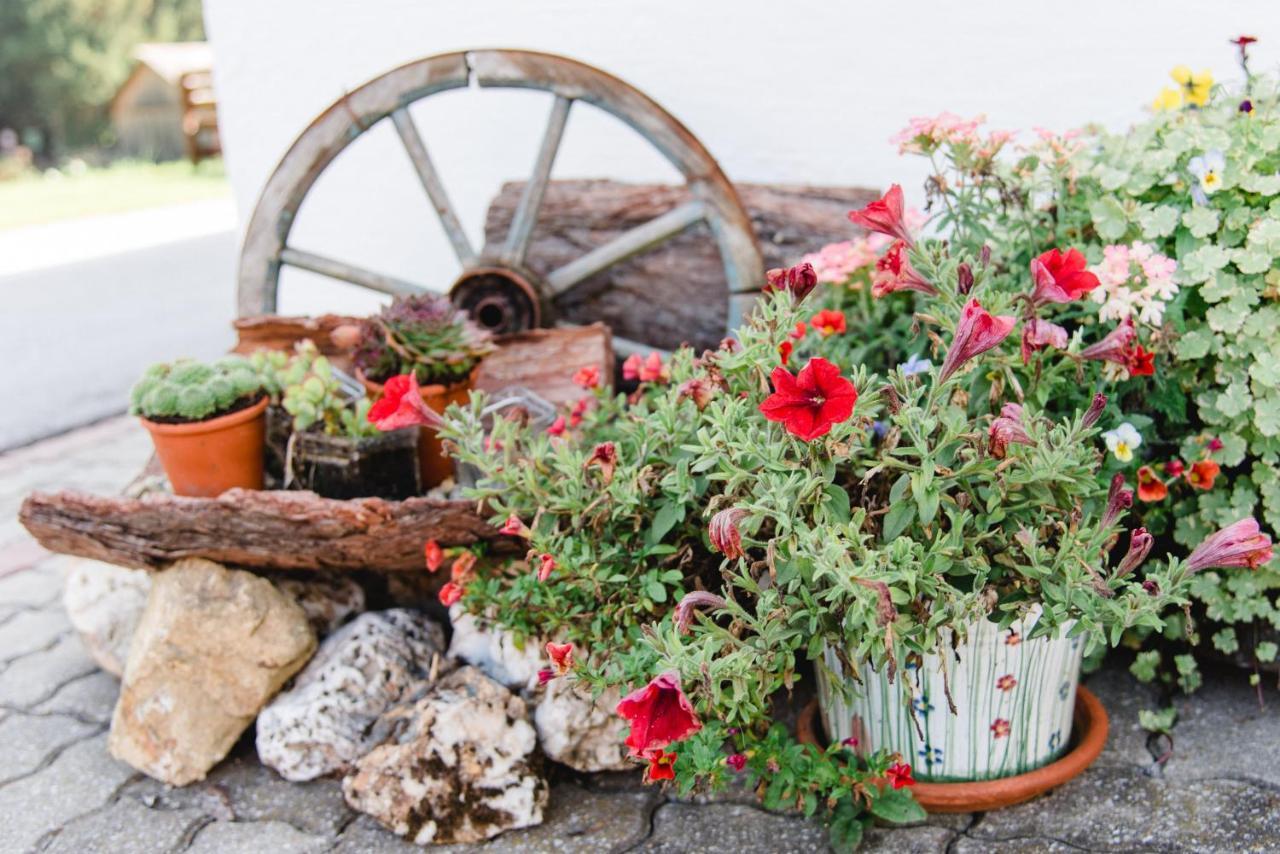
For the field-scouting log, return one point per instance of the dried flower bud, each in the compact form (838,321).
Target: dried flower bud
(605,457)
(1119,499)
(964,279)
(695,599)
(891,400)
(985,256)
(699,390)
(800,280)
(1094,412)
(723,532)
(1140,542)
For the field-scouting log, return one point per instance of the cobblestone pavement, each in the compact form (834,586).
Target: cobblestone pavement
(61,791)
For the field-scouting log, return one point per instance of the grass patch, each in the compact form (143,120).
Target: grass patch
(126,185)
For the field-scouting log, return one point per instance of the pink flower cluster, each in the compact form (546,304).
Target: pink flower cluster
(924,134)
(836,263)
(1136,280)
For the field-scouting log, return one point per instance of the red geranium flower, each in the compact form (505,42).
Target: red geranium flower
(433,554)
(659,713)
(899,774)
(1061,277)
(450,593)
(1203,473)
(546,564)
(561,655)
(884,216)
(1000,728)
(1150,486)
(977,332)
(662,766)
(401,405)
(808,404)
(587,376)
(828,322)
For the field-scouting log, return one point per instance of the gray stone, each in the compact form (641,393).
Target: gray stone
(690,829)
(579,731)
(457,765)
(366,836)
(36,677)
(36,587)
(1012,846)
(104,604)
(31,740)
(31,631)
(324,722)
(234,837)
(1123,697)
(91,698)
(1223,732)
(920,839)
(126,827)
(83,778)
(495,651)
(212,648)
(327,600)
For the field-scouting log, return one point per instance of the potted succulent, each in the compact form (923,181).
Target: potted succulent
(334,450)
(428,338)
(206,421)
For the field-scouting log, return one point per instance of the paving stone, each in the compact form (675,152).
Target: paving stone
(82,779)
(29,631)
(242,789)
(921,839)
(1013,846)
(731,827)
(1123,697)
(126,827)
(31,740)
(255,837)
(91,698)
(1118,809)
(36,587)
(366,836)
(36,677)
(1226,708)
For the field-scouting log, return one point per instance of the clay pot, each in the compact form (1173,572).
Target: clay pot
(203,459)
(434,464)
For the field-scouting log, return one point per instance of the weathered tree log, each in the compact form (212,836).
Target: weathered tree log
(254,530)
(680,282)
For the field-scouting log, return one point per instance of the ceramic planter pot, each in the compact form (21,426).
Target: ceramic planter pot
(206,458)
(385,466)
(434,464)
(1014,700)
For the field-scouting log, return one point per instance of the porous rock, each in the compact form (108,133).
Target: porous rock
(579,731)
(457,765)
(105,603)
(495,651)
(212,647)
(323,722)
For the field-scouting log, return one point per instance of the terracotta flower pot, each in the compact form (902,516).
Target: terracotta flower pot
(434,464)
(206,458)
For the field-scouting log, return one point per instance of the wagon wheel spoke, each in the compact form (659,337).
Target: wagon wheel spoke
(626,245)
(430,179)
(527,210)
(347,273)
(621,346)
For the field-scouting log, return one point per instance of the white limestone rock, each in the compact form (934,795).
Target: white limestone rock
(322,724)
(105,602)
(458,765)
(495,651)
(328,600)
(575,730)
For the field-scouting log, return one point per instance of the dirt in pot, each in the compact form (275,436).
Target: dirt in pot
(384,466)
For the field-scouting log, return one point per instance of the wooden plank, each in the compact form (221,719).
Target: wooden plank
(344,272)
(255,530)
(431,183)
(527,211)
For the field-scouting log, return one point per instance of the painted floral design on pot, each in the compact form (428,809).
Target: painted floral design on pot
(1014,700)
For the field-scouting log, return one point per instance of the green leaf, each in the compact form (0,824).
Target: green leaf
(897,519)
(1202,221)
(1109,218)
(1158,222)
(668,516)
(845,830)
(897,806)
(656,591)
(837,503)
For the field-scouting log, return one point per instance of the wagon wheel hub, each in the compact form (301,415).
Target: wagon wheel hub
(499,299)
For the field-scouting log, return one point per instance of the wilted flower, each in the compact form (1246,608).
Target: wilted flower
(587,376)
(1094,412)
(546,564)
(828,322)
(1061,277)
(1119,499)
(964,279)
(561,655)
(1122,440)
(513,527)
(659,713)
(809,403)
(1140,542)
(401,405)
(690,601)
(899,774)
(723,532)
(977,332)
(699,390)
(895,273)
(1203,473)
(605,457)
(433,555)
(1038,334)
(1238,544)
(800,280)
(1150,486)
(884,216)
(1115,346)
(1007,429)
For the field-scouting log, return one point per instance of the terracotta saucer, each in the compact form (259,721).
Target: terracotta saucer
(1090,728)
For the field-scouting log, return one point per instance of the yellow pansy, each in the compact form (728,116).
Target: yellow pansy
(1168,99)
(1195,87)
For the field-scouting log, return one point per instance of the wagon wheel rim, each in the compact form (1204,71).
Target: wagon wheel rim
(495,286)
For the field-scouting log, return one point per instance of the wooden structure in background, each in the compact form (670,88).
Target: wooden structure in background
(166,109)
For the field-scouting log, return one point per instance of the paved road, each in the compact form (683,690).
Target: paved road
(85,306)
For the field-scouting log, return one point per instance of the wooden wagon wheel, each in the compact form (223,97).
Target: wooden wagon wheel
(495,287)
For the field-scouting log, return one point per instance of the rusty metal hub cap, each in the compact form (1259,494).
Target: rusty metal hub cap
(498,299)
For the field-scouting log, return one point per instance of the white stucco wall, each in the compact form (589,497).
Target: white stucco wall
(803,90)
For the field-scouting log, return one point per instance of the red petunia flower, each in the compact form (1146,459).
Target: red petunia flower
(1061,277)
(631,368)
(545,675)
(1202,474)
(450,593)
(809,403)
(1140,362)
(546,564)
(800,280)
(1115,346)
(895,273)
(433,555)
(899,774)
(736,761)
(1239,544)
(1038,334)
(662,766)
(784,351)
(1119,500)
(977,332)
(401,405)
(1006,682)
(828,322)
(1007,429)
(557,427)
(587,376)
(659,713)
(1150,486)
(514,527)
(999,728)
(1094,412)
(561,655)
(884,216)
